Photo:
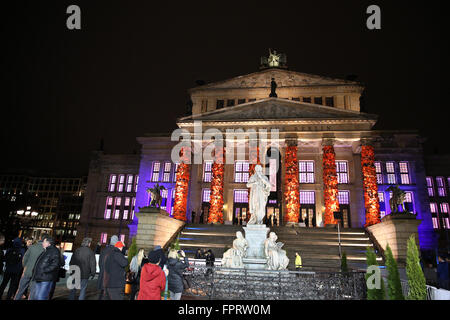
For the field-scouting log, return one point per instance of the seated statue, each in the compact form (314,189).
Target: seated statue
(232,258)
(276,257)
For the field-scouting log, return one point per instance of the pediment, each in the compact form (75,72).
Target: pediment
(277,109)
(284,78)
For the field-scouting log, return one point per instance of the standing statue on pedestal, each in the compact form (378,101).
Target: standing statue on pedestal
(259,192)
(397,199)
(232,258)
(276,257)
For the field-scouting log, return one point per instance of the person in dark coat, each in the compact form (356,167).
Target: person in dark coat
(13,270)
(28,262)
(153,279)
(114,274)
(162,256)
(199,254)
(177,263)
(442,273)
(101,265)
(84,258)
(210,258)
(46,270)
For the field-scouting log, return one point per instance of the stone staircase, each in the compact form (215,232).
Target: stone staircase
(318,247)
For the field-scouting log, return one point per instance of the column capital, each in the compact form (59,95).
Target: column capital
(328,142)
(367,141)
(291,142)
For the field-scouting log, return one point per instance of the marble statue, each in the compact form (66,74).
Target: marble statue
(232,258)
(259,192)
(276,257)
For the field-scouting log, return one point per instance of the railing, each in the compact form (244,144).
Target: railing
(432,292)
(217,283)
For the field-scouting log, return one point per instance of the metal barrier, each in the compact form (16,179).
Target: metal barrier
(217,283)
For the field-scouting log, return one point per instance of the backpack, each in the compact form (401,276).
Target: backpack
(13,257)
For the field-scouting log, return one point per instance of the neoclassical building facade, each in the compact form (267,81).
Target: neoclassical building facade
(318,149)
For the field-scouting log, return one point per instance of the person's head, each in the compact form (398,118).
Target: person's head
(119,245)
(157,247)
(86,242)
(239,235)
(114,240)
(140,256)
(48,241)
(153,257)
(296,254)
(258,168)
(199,250)
(29,242)
(273,236)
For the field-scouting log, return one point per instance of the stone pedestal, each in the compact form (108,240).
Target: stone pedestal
(155,227)
(255,234)
(395,230)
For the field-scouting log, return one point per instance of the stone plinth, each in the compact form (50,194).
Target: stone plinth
(256,234)
(395,230)
(155,227)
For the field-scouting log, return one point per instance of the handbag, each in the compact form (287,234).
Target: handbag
(62,273)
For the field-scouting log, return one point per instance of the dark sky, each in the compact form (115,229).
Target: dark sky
(127,70)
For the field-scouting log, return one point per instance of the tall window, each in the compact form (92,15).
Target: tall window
(382,204)
(404,172)
(434,214)
(430,187)
(164,195)
(206,195)
(207,171)
(241,196)
(133,202)
(174,178)
(241,171)
(445,211)
(112,183)
(118,202)
(129,187)
(379,172)
(103,237)
(306,171)
(342,171)
(409,201)
(167,168)
(344,197)
(390,170)
(108,207)
(441,186)
(155,171)
(122,238)
(121,183)
(307,197)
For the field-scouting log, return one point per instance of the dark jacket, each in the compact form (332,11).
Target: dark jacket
(48,264)
(114,273)
(13,257)
(210,258)
(101,264)
(442,271)
(84,258)
(175,277)
(30,258)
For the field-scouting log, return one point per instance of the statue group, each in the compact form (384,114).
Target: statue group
(274,254)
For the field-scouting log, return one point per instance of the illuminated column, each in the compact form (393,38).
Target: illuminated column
(330,182)
(181,187)
(370,187)
(216,198)
(291,187)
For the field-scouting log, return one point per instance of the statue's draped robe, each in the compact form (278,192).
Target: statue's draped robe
(259,192)
(276,257)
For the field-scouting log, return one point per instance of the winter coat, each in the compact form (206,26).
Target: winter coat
(101,264)
(153,282)
(84,258)
(210,258)
(30,258)
(175,277)
(48,264)
(13,257)
(114,273)
(298,262)
(442,270)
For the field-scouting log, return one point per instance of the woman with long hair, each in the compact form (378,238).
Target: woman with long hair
(135,268)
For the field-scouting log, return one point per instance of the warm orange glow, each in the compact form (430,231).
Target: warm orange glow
(181,188)
(291,188)
(216,198)
(370,186)
(330,184)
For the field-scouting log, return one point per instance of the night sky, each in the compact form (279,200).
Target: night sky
(127,71)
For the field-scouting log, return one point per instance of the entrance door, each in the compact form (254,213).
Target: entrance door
(240,216)
(272,216)
(345,209)
(308,215)
(205,213)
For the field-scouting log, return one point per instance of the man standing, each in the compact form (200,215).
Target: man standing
(101,264)
(442,273)
(46,269)
(28,262)
(114,274)
(84,258)
(298,263)
(13,270)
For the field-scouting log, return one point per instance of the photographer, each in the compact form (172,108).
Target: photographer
(177,262)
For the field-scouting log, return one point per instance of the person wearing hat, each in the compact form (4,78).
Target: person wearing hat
(153,278)
(101,265)
(114,273)
(161,255)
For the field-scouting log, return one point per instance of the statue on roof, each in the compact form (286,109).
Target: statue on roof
(273,88)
